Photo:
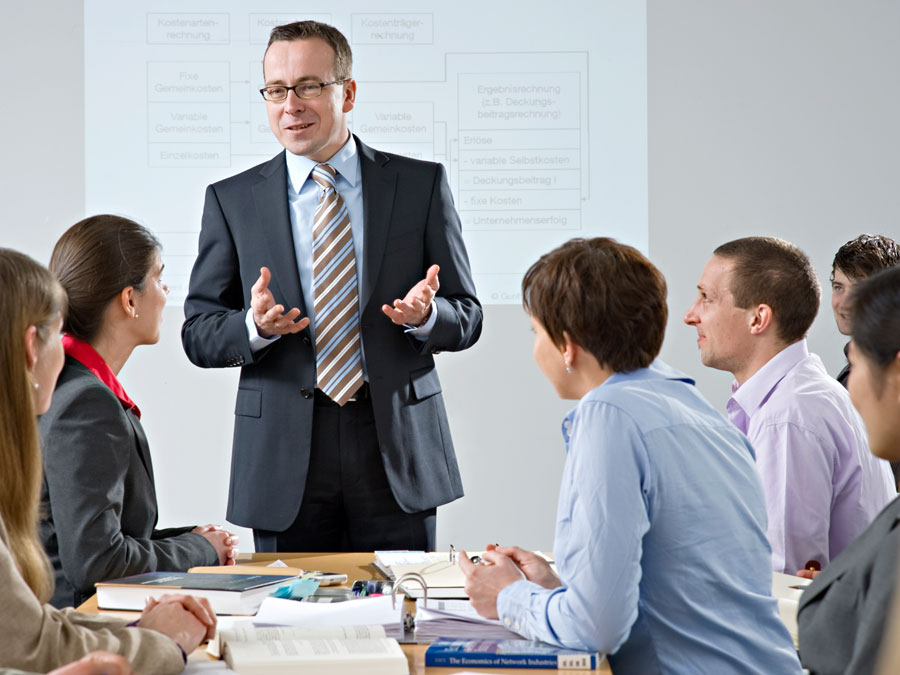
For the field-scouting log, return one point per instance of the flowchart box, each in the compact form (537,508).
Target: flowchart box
(394,122)
(519,101)
(189,122)
(188,81)
(526,220)
(188,29)
(185,155)
(396,29)
(519,200)
(261,24)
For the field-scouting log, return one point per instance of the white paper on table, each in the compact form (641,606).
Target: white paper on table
(437,609)
(363,612)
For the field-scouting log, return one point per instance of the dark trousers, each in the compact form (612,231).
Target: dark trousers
(347,502)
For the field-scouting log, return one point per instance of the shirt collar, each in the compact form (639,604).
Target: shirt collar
(88,357)
(657,370)
(756,390)
(345,161)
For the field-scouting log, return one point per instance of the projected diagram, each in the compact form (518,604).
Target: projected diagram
(511,126)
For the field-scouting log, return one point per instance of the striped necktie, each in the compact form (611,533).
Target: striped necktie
(335,297)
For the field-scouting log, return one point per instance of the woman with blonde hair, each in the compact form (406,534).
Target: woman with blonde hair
(35,636)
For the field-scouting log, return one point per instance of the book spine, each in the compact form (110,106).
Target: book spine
(487,660)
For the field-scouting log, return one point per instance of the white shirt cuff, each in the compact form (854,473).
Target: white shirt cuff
(257,341)
(423,332)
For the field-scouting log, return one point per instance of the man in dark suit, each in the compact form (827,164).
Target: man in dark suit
(362,466)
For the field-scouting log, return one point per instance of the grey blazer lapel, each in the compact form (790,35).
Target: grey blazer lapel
(379,184)
(270,199)
(143,446)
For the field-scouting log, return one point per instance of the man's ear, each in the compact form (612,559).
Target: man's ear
(892,377)
(761,319)
(349,95)
(31,348)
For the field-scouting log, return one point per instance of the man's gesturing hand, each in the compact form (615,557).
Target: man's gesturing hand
(415,308)
(271,319)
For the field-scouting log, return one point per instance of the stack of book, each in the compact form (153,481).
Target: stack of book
(227,593)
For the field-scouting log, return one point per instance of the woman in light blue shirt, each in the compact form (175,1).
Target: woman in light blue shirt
(660,535)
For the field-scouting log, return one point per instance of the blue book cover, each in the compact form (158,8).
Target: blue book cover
(508,654)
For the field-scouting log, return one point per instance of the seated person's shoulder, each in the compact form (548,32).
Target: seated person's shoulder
(77,391)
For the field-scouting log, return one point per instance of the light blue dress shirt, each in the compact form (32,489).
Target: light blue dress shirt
(660,538)
(303,198)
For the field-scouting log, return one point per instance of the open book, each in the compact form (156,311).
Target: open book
(331,650)
(440,571)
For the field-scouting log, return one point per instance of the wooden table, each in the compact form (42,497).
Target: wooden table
(355,566)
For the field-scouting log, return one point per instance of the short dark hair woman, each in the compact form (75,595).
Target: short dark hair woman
(660,532)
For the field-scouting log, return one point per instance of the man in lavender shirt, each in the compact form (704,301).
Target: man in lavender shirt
(757,298)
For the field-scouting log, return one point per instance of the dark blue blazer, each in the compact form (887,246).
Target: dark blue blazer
(410,224)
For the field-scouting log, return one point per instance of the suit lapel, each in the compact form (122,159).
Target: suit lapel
(379,184)
(143,447)
(880,528)
(270,200)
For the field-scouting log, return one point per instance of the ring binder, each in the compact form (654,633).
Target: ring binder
(409,620)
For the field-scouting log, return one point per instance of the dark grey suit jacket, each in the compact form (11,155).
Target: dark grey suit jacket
(843,613)
(410,223)
(99,500)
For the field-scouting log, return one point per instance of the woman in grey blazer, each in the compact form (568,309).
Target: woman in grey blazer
(843,613)
(99,499)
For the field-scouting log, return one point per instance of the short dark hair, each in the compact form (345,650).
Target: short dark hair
(95,260)
(865,255)
(774,272)
(307,30)
(607,296)
(875,316)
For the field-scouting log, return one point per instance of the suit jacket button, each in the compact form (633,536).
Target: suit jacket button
(306,340)
(306,393)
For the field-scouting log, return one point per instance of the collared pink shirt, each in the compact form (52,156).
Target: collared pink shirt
(822,485)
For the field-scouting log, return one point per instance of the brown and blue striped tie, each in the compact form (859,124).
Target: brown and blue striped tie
(335,296)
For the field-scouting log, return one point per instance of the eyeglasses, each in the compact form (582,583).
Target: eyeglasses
(278,92)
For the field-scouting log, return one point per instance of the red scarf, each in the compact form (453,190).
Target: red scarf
(90,359)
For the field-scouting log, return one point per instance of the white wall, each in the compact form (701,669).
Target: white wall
(764,118)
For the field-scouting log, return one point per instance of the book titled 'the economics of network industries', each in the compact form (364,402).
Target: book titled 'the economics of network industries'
(508,654)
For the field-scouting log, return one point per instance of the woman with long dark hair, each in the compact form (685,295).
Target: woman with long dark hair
(100,509)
